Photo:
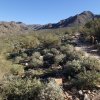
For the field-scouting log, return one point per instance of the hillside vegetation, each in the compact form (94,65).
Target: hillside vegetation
(45,65)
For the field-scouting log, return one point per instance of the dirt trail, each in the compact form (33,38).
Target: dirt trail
(87,49)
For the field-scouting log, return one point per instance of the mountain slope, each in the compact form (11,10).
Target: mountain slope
(12,27)
(77,20)
(73,21)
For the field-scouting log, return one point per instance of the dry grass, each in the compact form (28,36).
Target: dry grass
(5,65)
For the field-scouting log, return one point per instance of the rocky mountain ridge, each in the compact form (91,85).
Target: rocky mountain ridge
(77,20)
(73,21)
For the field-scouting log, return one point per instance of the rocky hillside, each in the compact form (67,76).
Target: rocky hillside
(73,21)
(77,20)
(12,27)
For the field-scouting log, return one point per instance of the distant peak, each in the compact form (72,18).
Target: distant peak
(87,12)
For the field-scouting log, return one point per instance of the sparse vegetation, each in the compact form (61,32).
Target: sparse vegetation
(27,61)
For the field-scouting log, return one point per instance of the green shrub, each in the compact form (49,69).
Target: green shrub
(21,89)
(17,69)
(67,48)
(74,65)
(55,51)
(90,63)
(36,62)
(75,55)
(72,68)
(49,40)
(45,51)
(27,42)
(37,59)
(51,92)
(87,80)
(36,55)
(18,59)
(24,55)
(48,59)
(92,28)
(59,58)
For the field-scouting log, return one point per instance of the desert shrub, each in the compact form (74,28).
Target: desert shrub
(12,55)
(75,55)
(59,58)
(17,59)
(49,40)
(36,62)
(26,42)
(16,69)
(51,92)
(22,43)
(90,64)
(48,59)
(87,80)
(37,59)
(45,51)
(1,98)
(92,28)
(21,89)
(72,68)
(55,51)
(24,55)
(66,39)
(36,55)
(67,48)
(68,32)
(74,65)
(33,73)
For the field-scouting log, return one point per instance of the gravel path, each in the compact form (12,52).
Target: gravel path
(87,49)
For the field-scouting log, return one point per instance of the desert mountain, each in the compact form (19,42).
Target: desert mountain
(19,27)
(12,27)
(77,20)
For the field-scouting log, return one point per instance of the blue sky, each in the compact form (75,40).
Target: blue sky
(44,11)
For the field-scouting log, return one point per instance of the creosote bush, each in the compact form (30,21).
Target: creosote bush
(67,48)
(17,59)
(73,66)
(51,92)
(21,89)
(17,69)
(49,40)
(59,58)
(37,59)
(91,64)
(15,88)
(92,28)
(87,80)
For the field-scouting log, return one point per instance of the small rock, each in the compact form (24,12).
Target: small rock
(84,91)
(89,91)
(86,97)
(80,92)
(92,95)
(41,58)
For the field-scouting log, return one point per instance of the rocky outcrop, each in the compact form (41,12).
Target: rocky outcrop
(12,27)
